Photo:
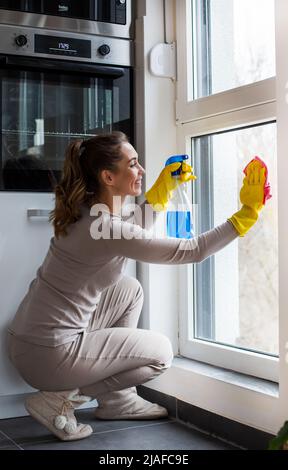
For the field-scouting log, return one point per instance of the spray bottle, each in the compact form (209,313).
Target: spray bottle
(179,223)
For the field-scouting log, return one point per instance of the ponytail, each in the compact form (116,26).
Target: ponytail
(70,193)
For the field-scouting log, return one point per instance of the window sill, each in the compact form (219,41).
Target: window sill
(229,394)
(234,378)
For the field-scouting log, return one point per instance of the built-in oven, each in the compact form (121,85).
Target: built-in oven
(56,87)
(104,17)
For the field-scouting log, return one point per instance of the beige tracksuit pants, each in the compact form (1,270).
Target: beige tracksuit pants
(112,354)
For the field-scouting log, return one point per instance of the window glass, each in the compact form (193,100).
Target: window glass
(236,291)
(233,44)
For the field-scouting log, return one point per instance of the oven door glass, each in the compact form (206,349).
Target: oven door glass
(71,8)
(106,11)
(31,6)
(43,111)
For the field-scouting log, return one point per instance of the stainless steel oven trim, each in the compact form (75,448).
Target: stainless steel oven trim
(121,50)
(34,63)
(58,23)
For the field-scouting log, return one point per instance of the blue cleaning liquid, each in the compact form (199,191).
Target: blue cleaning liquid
(179,224)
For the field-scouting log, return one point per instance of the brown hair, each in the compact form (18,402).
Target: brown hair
(80,181)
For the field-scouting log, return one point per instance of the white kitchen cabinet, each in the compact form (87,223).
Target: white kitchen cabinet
(24,242)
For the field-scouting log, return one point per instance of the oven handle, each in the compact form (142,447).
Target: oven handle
(61,66)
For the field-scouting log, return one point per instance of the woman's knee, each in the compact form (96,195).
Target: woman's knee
(164,352)
(134,288)
(135,284)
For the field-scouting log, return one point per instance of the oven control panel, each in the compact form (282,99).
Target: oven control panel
(45,43)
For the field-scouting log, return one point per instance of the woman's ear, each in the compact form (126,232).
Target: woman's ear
(107,177)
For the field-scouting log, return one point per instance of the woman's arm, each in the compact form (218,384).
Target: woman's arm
(136,243)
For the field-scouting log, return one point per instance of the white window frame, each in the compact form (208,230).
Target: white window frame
(239,107)
(187,110)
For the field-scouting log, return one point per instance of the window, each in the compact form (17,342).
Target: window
(233,45)
(237,289)
(226,111)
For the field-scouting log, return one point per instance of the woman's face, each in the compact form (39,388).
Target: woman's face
(128,179)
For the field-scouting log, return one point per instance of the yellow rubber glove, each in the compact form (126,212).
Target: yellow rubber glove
(252,197)
(162,190)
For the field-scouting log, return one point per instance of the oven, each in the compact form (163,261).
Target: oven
(103,17)
(55,87)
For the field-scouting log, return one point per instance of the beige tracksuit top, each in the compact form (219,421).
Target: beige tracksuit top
(78,267)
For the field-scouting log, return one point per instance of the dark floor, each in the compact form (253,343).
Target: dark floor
(164,434)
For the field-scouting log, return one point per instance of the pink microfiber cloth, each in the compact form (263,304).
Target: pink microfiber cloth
(267,188)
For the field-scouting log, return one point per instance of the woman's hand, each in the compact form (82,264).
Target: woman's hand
(252,198)
(162,190)
(252,191)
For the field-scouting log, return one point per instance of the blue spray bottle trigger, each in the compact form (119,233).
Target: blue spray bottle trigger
(174,159)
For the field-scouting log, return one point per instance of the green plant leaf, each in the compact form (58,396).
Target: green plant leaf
(282,437)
